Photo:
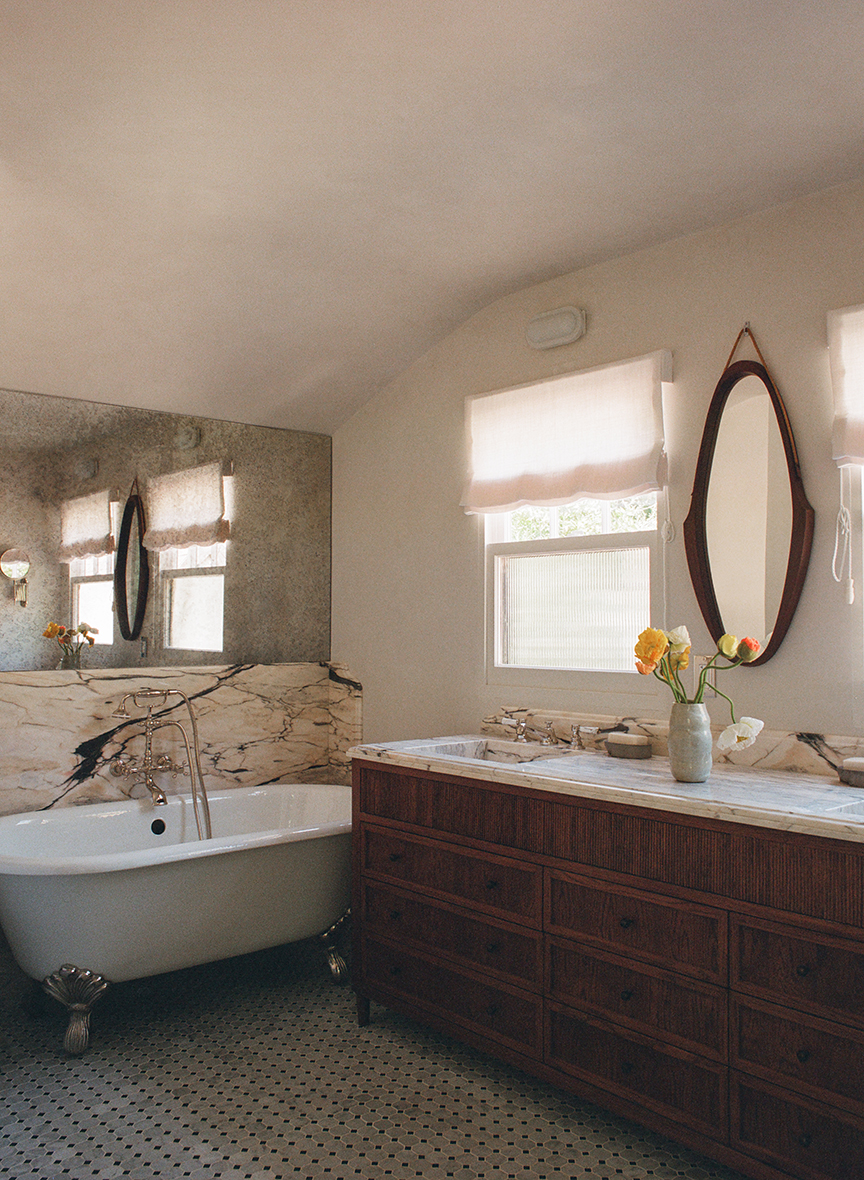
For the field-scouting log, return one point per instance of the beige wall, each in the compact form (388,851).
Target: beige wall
(408,564)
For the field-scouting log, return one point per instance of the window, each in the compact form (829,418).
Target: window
(193,594)
(188,524)
(566,473)
(89,525)
(570,587)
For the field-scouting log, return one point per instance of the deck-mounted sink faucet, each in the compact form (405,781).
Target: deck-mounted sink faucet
(149,698)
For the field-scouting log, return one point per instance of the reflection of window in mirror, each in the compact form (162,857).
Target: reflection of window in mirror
(193,591)
(91,583)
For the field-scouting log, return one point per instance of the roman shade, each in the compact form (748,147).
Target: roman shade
(85,527)
(597,434)
(186,508)
(846,352)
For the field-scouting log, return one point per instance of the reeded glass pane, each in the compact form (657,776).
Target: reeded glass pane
(573,610)
(94,604)
(194,612)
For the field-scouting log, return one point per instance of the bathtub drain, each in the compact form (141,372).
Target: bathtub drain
(157,827)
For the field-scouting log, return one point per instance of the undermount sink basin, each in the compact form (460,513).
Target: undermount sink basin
(487,750)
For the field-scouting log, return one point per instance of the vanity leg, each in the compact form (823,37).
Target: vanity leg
(362,1010)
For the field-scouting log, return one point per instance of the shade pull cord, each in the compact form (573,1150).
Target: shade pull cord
(841,563)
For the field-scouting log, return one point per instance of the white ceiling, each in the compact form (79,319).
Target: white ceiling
(264,210)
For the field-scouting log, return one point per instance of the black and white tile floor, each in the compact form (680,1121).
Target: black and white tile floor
(255,1069)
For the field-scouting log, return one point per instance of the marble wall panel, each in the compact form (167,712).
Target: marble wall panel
(808,753)
(257,723)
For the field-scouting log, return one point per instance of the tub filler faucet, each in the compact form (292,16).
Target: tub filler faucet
(150,764)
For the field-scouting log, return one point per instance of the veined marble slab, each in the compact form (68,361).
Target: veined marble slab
(257,723)
(808,753)
(794,802)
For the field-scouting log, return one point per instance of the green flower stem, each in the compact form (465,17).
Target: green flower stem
(729,699)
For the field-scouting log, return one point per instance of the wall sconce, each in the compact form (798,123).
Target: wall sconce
(15,564)
(562,326)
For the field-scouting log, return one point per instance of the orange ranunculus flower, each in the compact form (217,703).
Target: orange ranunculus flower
(650,649)
(52,631)
(748,649)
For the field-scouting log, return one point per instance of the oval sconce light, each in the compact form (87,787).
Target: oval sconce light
(561,326)
(15,564)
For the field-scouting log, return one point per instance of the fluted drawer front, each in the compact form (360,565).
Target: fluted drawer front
(683,1011)
(674,1083)
(802,1138)
(508,951)
(820,974)
(513,1017)
(817,1057)
(496,885)
(658,929)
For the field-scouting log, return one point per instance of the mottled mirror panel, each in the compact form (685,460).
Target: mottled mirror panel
(277,577)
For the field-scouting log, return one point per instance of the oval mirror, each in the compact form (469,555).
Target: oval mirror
(750,527)
(131,569)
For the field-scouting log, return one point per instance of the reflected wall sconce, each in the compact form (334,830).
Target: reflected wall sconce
(561,326)
(15,564)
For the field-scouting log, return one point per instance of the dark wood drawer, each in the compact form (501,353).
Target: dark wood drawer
(667,1080)
(496,885)
(682,1011)
(811,971)
(802,1138)
(818,1058)
(512,1017)
(654,928)
(459,807)
(512,953)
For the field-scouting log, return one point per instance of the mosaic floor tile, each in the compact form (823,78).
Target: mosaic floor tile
(255,1069)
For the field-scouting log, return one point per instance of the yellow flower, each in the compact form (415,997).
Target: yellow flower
(52,630)
(650,649)
(679,660)
(727,645)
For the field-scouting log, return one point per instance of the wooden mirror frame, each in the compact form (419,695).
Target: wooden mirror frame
(695,532)
(134,509)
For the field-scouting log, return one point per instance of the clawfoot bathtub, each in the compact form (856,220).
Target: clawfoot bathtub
(114,891)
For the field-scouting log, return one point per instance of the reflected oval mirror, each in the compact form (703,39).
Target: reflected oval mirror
(131,570)
(15,564)
(750,526)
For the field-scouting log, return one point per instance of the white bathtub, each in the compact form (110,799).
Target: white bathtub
(102,888)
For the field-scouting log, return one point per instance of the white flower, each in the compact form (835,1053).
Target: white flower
(679,639)
(741,735)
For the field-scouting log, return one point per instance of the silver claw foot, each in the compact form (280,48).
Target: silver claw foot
(338,966)
(78,990)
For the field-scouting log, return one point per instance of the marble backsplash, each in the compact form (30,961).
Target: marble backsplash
(807,753)
(257,723)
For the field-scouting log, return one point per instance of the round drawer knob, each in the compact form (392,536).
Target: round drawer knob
(492,884)
(395,970)
(394,856)
(805,1140)
(492,948)
(492,1010)
(803,970)
(803,1055)
(626,923)
(627,1066)
(395,915)
(626,994)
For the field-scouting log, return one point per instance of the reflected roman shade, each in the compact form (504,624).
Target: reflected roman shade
(597,434)
(85,527)
(186,508)
(846,350)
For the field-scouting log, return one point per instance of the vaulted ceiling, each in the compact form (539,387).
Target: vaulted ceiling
(264,210)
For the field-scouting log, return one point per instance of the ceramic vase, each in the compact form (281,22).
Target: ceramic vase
(690,743)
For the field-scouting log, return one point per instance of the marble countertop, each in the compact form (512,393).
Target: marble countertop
(785,800)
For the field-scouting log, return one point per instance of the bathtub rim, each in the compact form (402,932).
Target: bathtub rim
(114,862)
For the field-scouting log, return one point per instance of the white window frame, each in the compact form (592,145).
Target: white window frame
(102,570)
(573,678)
(214,561)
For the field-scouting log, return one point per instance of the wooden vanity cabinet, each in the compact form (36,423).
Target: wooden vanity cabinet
(701,977)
